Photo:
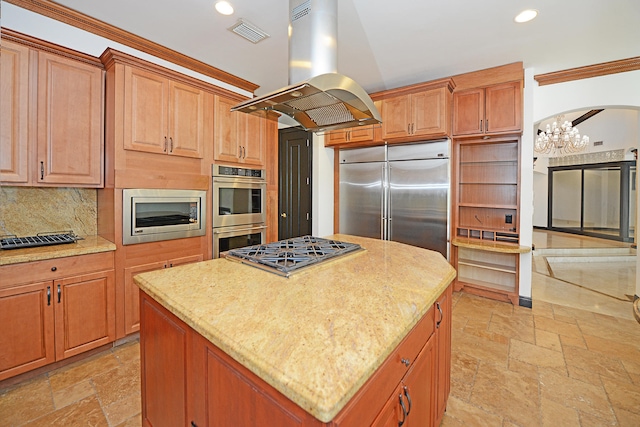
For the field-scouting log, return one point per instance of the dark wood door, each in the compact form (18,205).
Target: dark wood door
(294,194)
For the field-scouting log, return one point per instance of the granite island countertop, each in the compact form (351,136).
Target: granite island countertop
(89,245)
(318,335)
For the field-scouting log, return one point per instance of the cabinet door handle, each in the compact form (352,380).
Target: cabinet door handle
(244,152)
(480,125)
(59,293)
(486,125)
(406,393)
(404,411)
(171,145)
(41,171)
(165,145)
(405,362)
(193,424)
(441,314)
(413,128)
(48,295)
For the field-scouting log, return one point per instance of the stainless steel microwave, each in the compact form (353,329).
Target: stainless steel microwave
(150,215)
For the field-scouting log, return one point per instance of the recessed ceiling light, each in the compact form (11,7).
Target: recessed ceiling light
(224,7)
(526,15)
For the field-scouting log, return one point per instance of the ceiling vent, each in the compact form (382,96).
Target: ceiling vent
(248,31)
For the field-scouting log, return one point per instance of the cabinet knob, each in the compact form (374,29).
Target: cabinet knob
(405,362)
(54,268)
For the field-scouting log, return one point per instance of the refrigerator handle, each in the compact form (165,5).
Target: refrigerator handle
(389,236)
(383,197)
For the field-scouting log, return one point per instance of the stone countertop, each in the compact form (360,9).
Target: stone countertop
(90,245)
(318,335)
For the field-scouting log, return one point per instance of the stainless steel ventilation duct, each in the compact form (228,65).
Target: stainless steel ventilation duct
(319,98)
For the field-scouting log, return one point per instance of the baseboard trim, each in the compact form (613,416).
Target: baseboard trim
(525,302)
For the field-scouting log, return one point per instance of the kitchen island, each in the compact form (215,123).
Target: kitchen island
(225,343)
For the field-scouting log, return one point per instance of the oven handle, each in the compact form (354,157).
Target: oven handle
(218,231)
(243,180)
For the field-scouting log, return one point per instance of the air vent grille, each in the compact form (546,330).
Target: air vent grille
(248,31)
(302,10)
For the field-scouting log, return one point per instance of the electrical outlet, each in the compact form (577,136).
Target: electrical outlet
(508,219)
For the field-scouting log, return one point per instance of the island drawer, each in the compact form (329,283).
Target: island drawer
(383,382)
(52,269)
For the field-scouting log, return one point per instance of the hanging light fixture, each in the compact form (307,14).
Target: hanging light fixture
(560,138)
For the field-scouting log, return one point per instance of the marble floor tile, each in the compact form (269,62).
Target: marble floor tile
(462,414)
(536,355)
(83,370)
(595,363)
(556,414)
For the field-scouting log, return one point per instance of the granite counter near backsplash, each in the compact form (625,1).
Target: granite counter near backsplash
(26,211)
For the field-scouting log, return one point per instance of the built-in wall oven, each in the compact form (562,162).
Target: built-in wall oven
(150,214)
(239,207)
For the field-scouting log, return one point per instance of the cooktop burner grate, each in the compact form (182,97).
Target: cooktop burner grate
(286,256)
(41,239)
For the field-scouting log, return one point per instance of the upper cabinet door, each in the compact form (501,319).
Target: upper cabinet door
(251,135)
(14,104)
(146,103)
(186,130)
(429,112)
(503,108)
(70,121)
(226,147)
(468,112)
(396,117)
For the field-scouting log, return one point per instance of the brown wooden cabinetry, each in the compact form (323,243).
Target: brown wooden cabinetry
(239,137)
(407,386)
(52,120)
(163,116)
(339,137)
(494,109)
(422,113)
(54,309)
(132,298)
(486,216)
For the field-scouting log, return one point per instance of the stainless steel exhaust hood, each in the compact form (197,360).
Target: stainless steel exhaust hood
(321,99)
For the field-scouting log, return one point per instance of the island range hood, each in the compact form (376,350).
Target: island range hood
(319,98)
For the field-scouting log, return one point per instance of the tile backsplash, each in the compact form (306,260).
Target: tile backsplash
(26,211)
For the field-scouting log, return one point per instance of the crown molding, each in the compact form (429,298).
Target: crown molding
(76,19)
(602,69)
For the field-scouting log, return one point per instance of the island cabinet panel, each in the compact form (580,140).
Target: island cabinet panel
(54,309)
(217,390)
(494,109)
(443,359)
(164,366)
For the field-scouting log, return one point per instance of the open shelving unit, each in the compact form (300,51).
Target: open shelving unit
(485,244)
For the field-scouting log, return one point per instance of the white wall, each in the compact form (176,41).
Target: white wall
(322,188)
(620,90)
(33,24)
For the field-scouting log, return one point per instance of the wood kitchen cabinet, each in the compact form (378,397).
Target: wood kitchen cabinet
(132,298)
(54,309)
(239,137)
(14,121)
(163,116)
(494,109)
(200,377)
(55,137)
(422,113)
(486,188)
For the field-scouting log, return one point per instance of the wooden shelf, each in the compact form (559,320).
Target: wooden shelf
(488,265)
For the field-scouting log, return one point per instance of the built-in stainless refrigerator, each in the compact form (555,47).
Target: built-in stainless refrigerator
(398,193)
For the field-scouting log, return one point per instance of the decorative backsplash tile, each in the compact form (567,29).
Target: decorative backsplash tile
(26,211)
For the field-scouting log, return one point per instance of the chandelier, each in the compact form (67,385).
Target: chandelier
(560,138)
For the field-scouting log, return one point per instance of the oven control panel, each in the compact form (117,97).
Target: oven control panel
(234,171)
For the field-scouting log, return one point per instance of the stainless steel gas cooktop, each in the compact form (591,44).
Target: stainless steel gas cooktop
(286,256)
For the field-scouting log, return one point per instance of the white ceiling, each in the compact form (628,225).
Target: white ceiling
(384,44)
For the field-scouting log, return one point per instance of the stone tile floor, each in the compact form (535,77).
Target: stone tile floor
(511,366)
(572,360)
